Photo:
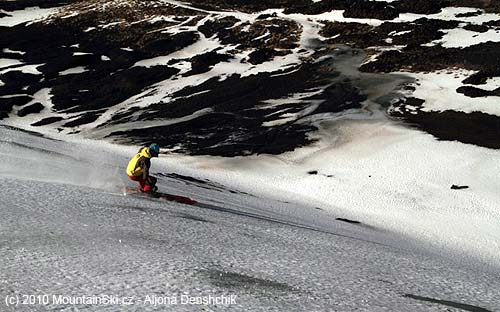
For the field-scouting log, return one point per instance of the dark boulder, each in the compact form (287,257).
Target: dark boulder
(30,109)
(459,187)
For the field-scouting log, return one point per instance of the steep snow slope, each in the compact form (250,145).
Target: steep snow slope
(69,231)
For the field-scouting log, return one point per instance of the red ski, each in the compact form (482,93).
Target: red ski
(164,196)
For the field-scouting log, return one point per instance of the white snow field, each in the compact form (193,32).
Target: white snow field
(66,229)
(439,85)
(27,15)
(385,175)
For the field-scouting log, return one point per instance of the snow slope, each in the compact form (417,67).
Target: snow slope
(388,176)
(439,85)
(71,232)
(27,15)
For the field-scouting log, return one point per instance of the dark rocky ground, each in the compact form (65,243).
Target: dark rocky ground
(114,37)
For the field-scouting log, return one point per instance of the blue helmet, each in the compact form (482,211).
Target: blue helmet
(154,149)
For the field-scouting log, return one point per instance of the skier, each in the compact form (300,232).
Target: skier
(138,168)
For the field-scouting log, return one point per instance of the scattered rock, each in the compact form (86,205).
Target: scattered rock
(30,109)
(490,6)
(474,92)
(469,14)
(494,23)
(459,187)
(348,221)
(203,62)
(356,35)
(249,6)
(266,16)
(170,43)
(482,76)
(421,6)
(360,35)
(371,9)
(476,28)
(15,81)
(218,26)
(409,101)
(6,104)
(82,119)
(482,56)
(104,90)
(47,121)
(262,55)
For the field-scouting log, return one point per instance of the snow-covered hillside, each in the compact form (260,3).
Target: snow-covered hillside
(67,229)
(345,154)
(220,79)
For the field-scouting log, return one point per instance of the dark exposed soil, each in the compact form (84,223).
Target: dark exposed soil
(482,56)
(371,9)
(6,104)
(30,109)
(477,28)
(364,36)
(474,128)
(469,14)
(474,92)
(491,6)
(119,87)
(235,125)
(47,121)
(83,119)
(483,75)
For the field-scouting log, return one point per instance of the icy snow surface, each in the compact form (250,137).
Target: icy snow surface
(67,229)
(388,176)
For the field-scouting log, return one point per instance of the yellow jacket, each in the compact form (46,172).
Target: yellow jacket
(140,163)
